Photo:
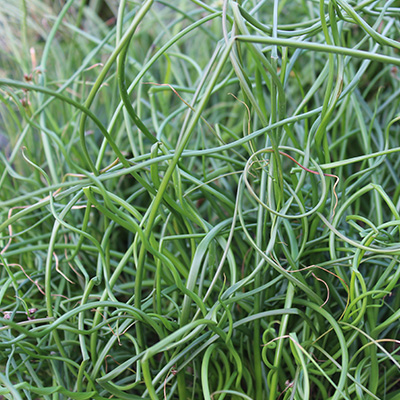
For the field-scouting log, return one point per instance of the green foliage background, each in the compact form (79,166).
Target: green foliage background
(199,200)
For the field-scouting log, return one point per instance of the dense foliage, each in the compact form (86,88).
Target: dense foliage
(199,199)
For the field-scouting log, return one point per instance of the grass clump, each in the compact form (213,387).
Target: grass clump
(200,200)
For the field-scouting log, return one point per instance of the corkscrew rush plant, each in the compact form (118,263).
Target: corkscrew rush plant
(200,200)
